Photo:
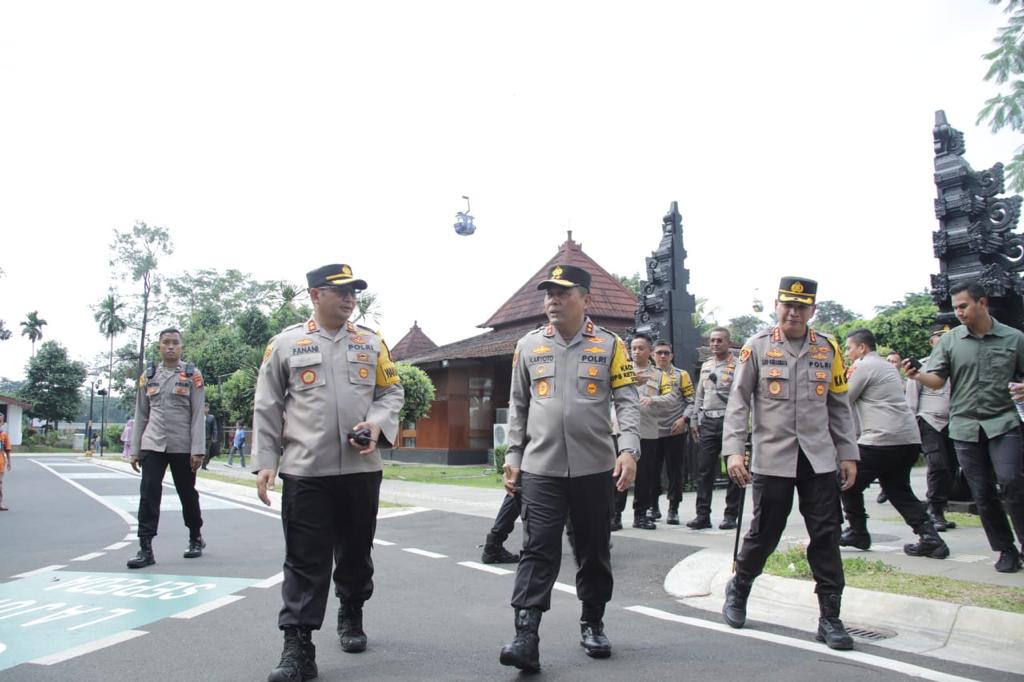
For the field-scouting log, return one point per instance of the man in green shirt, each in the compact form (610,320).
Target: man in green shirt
(981,358)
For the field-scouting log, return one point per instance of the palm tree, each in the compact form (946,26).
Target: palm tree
(108,316)
(367,308)
(32,327)
(5,333)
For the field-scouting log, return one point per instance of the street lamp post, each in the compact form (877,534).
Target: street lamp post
(103,418)
(88,425)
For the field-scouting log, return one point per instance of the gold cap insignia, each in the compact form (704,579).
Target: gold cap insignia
(797,288)
(346,271)
(557,272)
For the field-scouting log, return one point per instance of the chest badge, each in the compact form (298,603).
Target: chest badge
(774,353)
(821,375)
(775,372)
(363,372)
(358,338)
(541,349)
(592,371)
(362,357)
(775,388)
(591,388)
(542,388)
(820,389)
(308,377)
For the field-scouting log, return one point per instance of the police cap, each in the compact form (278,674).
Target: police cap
(797,290)
(567,276)
(336,275)
(939,329)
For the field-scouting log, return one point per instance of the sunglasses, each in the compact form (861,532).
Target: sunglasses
(663,352)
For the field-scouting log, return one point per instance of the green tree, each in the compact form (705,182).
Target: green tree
(703,317)
(108,317)
(290,311)
(1006,66)
(419,392)
(225,295)
(32,327)
(135,255)
(367,309)
(253,328)
(743,327)
(51,384)
(632,282)
(5,333)
(905,327)
(829,315)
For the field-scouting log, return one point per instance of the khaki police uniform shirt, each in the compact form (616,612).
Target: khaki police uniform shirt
(713,396)
(674,400)
(928,404)
(169,412)
(798,401)
(877,394)
(313,387)
(649,389)
(559,419)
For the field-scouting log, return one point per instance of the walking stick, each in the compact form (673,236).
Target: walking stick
(743,498)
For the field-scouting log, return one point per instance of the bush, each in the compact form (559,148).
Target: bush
(499,456)
(419,392)
(112,438)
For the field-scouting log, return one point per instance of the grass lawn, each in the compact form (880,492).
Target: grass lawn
(962,520)
(881,577)
(251,483)
(475,476)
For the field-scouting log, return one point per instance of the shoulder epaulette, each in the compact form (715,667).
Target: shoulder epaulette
(293,326)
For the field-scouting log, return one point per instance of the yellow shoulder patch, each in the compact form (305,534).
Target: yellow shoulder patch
(745,353)
(387,373)
(267,353)
(621,368)
(838,384)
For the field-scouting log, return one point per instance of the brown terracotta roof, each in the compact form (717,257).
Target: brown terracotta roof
(610,299)
(11,400)
(414,343)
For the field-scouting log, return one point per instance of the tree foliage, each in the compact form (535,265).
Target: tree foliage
(743,327)
(703,317)
(419,392)
(632,282)
(51,384)
(1006,65)
(902,326)
(5,333)
(32,327)
(829,315)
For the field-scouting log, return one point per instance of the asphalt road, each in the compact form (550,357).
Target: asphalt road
(81,615)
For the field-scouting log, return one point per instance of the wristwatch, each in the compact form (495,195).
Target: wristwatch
(632,452)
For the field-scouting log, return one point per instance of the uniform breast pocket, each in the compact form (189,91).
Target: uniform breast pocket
(362,367)
(543,387)
(820,380)
(1002,362)
(592,381)
(775,383)
(307,371)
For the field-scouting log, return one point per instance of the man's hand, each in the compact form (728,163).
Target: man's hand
(641,379)
(847,473)
(737,469)
(196,462)
(645,401)
(695,432)
(510,477)
(679,425)
(909,370)
(264,482)
(374,435)
(1016,392)
(624,471)
(135,463)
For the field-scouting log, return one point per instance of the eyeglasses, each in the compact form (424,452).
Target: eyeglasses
(663,352)
(341,292)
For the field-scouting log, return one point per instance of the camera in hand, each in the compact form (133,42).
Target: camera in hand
(914,363)
(361,436)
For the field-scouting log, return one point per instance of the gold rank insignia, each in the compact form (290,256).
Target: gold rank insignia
(362,357)
(592,371)
(594,349)
(589,329)
(774,372)
(541,349)
(591,388)
(812,337)
(346,271)
(363,372)
(820,389)
(549,330)
(542,388)
(745,354)
(349,327)
(358,338)
(308,377)
(267,353)
(598,339)
(775,388)
(304,342)
(774,353)
(311,326)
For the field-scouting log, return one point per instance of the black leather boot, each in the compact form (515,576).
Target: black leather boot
(699,522)
(298,659)
(524,651)
(145,556)
(856,534)
(673,515)
(497,554)
(728,523)
(929,545)
(654,513)
(938,516)
(592,637)
(830,629)
(196,545)
(616,522)
(350,628)
(735,609)
(643,521)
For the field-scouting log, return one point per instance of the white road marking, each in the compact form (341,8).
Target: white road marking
(44,569)
(391,513)
(89,647)
(968,558)
(423,552)
(562,587)
(128,518)
(90,555)
(382,543)
(815,647)
(132,537)
(208,606)
(485,568)
(114,613)
(885,548)
(275,579)
(118,545)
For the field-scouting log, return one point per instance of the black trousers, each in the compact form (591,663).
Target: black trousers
(938,452)
(325,518)
(709,466)
(547,502)
(648,476)
(505,521)
(212,450)
(668,453)
(151,491)
(991,461)
(890,465)
(819,505)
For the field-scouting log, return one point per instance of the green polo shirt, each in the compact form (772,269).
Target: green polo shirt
(980,368)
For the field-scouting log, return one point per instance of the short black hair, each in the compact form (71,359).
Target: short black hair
(169,330)
(724,330)
(645,336)
(973,288)
(663,342)
(863,335)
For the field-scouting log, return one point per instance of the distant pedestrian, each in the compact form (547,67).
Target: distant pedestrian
(212,437)
(126,439)
(238,445)
(5,457)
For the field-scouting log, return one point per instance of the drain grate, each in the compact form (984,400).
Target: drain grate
(870,634)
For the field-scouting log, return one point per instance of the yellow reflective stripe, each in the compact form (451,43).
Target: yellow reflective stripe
(686,384)
(621,368)
(838,384)
(387,373)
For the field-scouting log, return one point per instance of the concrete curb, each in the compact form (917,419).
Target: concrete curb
(920,626)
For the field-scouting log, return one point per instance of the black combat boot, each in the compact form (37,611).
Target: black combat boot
(830,628)
(643,521)
(350,628)
(524,651)
(298,659)
(735,609)
(616,522)
(1009,561)
(592,637)
(856,534)
(196,544)
(673,514)
(938,516)
(654,513)
(497,554)
(929,545)
(145,556)
(728,523)
(699,522)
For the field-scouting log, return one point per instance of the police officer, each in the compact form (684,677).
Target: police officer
(713,389)
(212,436)
(565,376)
(169,431)
(648,470)
(672,408)
(327,395)
(793,380)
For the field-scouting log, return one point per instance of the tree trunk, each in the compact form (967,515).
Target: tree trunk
(142,341)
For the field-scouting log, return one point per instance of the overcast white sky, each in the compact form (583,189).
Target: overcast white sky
(277,137)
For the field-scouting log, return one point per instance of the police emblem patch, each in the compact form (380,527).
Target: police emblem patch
(820,389)
(775,372)
(363,372)
(775,388)
(745,354)
(557,272)
(268,352)
(542,388)
(591,388)
(774,353)
(197,380)
(308,377)
(592,371)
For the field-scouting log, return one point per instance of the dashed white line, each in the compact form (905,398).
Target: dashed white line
(968,558)
(131,537)
(382,543)
(423,552)
(88,647)
(44,569)
(485,568)
(117,545)
(860,657)
(208,606)
(562,587)
(275,579)
(90,555)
